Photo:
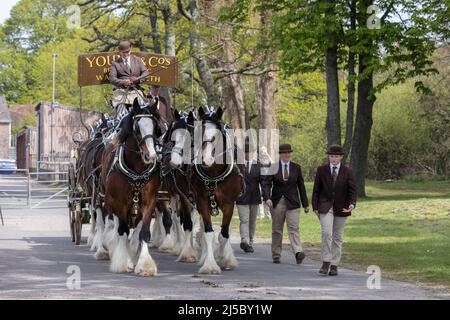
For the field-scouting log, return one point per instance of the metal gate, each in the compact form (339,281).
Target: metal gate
(33,190)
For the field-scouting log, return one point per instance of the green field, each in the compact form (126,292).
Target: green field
(403,227)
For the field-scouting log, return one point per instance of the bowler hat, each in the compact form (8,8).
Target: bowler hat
(335,149)
(124,45)
(284,148)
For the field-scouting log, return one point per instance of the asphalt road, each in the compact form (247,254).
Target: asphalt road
(36,252)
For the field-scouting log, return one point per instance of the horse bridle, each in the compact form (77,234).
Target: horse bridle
(222,128)
(147,136)
(179,150)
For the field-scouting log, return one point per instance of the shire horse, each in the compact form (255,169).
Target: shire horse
(130,174)
(177,173)
(216,184)
(88,165)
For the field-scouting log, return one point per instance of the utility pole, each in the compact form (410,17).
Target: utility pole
(54,56)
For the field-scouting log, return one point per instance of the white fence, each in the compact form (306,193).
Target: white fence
(33,190)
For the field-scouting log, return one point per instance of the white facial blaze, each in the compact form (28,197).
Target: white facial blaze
(176,158)
(147,127)
(210,132)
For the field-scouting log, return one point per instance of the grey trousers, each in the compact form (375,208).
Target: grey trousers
(332,237)
(279,214)
(247,218)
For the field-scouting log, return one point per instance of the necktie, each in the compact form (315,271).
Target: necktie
(286,173)
(334,175)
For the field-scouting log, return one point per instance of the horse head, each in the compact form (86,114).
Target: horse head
(212,142)
(180,132)
(142,123)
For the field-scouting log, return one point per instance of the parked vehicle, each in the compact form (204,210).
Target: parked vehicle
(8,166)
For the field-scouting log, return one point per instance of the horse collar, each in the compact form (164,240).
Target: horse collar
(136,179)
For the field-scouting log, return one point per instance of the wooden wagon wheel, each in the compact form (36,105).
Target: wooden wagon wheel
(77,223)
(70,200)
(71,223)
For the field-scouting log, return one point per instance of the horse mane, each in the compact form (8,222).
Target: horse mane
(126,127)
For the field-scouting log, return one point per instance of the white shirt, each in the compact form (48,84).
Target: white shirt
(127,62)
(283,165)
(338,166)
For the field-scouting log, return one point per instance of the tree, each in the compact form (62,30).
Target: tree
(34,23)
(66,86)
(315,35)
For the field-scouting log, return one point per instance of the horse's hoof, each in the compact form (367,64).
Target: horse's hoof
(101,255)
(130,267)
(210,270)
(228,265)
(146,268)
(145,272)
(191,259)
(189,256)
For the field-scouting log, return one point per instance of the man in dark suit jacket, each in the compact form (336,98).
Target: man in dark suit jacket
(248,203)
(333,199)
(125,73)
(164,110)
(283,193)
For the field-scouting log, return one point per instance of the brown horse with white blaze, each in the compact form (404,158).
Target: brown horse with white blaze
(131,175)
(217,183)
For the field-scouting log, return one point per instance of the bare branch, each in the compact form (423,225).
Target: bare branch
(183,11)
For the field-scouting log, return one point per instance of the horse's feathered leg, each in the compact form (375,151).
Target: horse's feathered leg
(119,259)
(225,255)
(146,266)
(101,253)
(178,232)
(188,253)
(209,265)
(169,241)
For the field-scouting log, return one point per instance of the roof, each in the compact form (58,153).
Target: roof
(5,116)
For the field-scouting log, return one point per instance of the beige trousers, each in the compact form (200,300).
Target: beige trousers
(247,218)
(122,97)
(332,237)
(292,217)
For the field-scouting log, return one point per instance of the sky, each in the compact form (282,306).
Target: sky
(5,7)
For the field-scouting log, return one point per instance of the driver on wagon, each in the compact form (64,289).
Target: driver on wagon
(126,74)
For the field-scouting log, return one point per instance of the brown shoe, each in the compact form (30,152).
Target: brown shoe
(324,269)
(299,256)
(333,271)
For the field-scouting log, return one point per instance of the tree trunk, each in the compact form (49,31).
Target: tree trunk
(154,27)
(233,92)
(350,88)
(265,86)
(207,80)
(265,104)
(333,124)
(363,127)
(169,49)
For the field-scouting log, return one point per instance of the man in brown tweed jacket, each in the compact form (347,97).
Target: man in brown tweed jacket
(127,72)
